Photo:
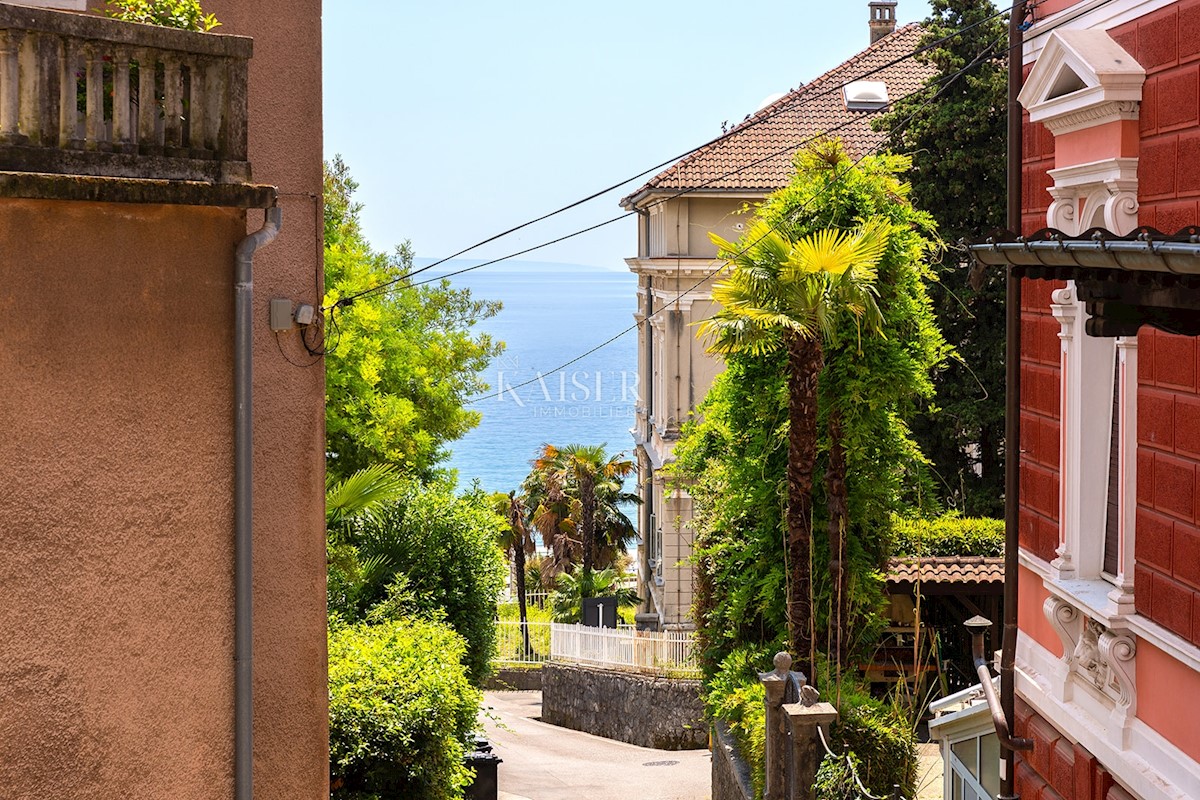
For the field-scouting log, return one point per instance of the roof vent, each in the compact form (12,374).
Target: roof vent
(865,95)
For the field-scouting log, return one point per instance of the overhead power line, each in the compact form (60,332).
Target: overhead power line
(737,130)
(948,81)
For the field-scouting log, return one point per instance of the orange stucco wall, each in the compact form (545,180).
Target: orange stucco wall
(1049,7)
(1117,139)
(290,688)
(1030,619)
(117,626)
(117,623)
(1169,697)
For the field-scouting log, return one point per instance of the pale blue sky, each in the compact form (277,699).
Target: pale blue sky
(463,118)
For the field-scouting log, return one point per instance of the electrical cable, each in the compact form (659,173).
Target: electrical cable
(738,129)
(746,248)
(979,58)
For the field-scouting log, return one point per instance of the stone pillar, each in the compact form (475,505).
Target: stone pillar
(781,686)
(775,683)
(807,750)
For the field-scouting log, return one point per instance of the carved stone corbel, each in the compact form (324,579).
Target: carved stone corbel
(1118,650)
(1121,211)
(1063,617)
(1061,214)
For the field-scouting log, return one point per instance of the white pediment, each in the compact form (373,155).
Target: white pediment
(1083,78)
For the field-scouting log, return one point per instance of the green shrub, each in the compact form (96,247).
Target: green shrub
(432,554)
(185,14)
(948,535)
(400,711)
(566,603)
(881,741)
(835,778)
(735,696)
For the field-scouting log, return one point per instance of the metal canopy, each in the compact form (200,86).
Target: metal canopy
(1146,278)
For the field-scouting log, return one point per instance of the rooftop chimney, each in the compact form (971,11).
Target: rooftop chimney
(883,18)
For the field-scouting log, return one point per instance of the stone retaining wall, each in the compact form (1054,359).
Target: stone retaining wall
(730,774)
(512,679)
(663,713)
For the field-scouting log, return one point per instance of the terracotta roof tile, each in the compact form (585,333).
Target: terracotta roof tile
(946,569)
(759,152)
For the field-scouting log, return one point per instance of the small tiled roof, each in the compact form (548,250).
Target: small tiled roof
(946,569)
(759,151)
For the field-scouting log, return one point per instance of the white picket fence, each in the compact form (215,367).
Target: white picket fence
(651,652)
(656,652)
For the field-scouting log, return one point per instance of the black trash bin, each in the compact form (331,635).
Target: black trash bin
(484,762)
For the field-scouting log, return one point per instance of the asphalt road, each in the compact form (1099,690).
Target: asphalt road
(545,762)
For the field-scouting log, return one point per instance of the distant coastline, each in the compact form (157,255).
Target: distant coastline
(552,313)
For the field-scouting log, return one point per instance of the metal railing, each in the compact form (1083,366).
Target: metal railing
(539,598)
(82,94)
(511,642)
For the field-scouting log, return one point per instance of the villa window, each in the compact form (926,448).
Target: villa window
(1086,89)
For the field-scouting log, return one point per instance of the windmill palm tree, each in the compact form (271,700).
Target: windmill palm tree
(517,539)
(779,293)
(578,489)
(349,503)
(553,514)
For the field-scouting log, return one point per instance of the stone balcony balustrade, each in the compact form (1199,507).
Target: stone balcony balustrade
(81,94)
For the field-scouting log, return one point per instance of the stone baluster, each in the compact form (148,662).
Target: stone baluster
(147,127)
(10,86)
(36,111)
(68,96)
(197,109)
(94,96)
(122,116)
(234,144)
(807,751)
(214,103)
(173,104)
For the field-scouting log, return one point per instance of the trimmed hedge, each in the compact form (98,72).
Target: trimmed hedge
(948,535)
(400,711)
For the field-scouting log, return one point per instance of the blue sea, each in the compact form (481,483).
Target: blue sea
(552,314)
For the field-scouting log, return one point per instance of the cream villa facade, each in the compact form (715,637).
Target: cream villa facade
(676,263)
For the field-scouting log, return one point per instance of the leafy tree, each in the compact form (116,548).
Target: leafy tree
(360,495)
(400,363)
(574,494)
(738,457)
(185,14)
(788,295)
(956,138)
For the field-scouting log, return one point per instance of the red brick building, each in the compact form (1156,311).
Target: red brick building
(1108,658)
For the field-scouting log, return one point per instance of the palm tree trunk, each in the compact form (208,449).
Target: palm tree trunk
(804,367)
(587,530)
(519,563)
(839,520)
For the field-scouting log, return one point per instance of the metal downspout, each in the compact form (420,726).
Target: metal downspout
(243,513)
(1012,406)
